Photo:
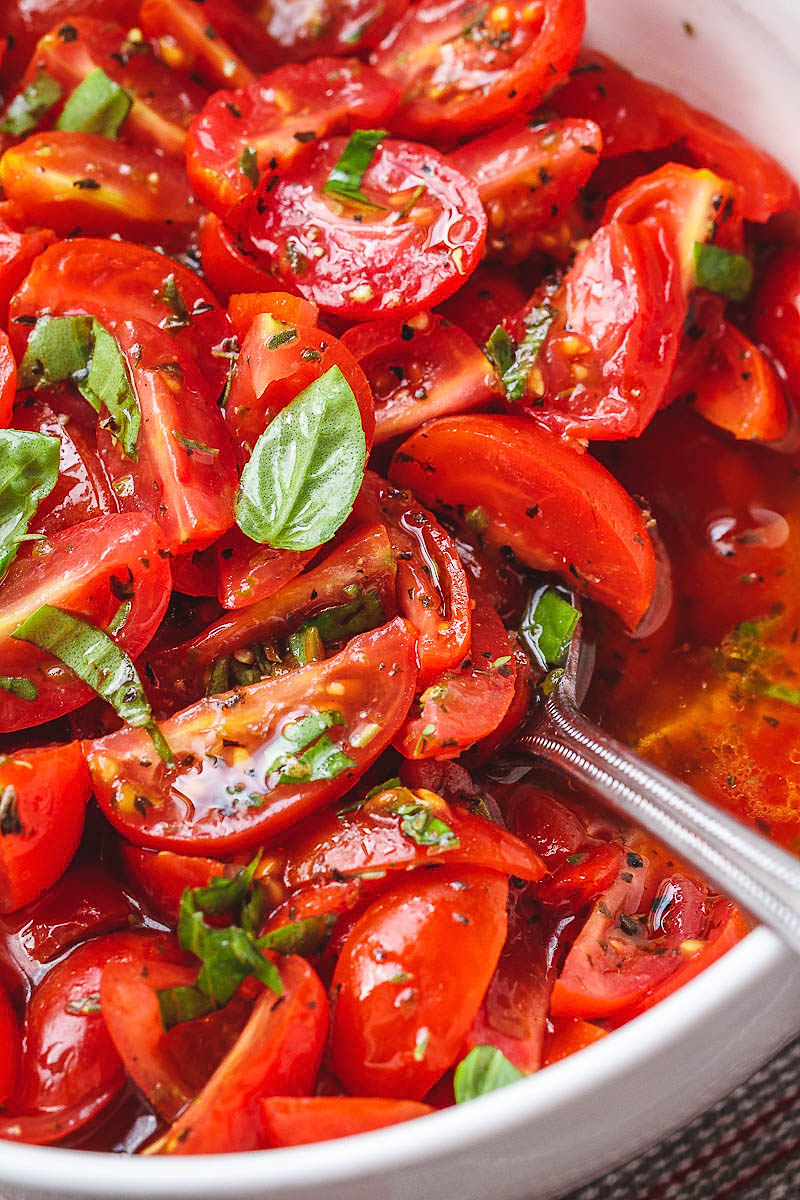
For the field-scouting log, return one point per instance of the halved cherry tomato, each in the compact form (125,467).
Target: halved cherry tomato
(776,312)
(24,25)
(552,829)
(425,367)
(225,749)
(557,509)
(467,702)
(20,243)
(582,877)
(217,43)
(274,118)
(85,182)
(372,838)
(570,1034)
(331,26)
(466,66)
(290,1121)
(484,301)
(162,877)
(244,307)
(526,178)
(411,977)
(43,797)
(81,570)
(228,264)
(421,233)
(432,588)
(9,1048)
(278,1053)
(98,276)
(8,379)
(361,563)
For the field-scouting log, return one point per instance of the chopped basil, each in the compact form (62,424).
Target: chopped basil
(81,350)
(97,105)
(721,271)
(27,109)
(780,691)
(98,661)
(348,173)
(514,377)
(501,349)
(248,164)
(19,686)
(305,471)
(171,296)
(306,752)
(28,473)
(485,1069)
(306,645)
(192,447)
(420,823)
(547,627)
(280,339)
(362,613)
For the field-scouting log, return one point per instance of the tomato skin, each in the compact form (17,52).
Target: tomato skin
(228,265)
(244,307)
(321,98)
(20,244)
(163,877)
(462,68)
(444,929)
(8,379)
(25,24)
(576,884)
(569,1035)
(440,369)
(278,1053)
(290,1121)
(331,26)
(527,178)
(139,195)
(384,265)
(776,312)
(248,572)
(49,793)
(466,703)
(552,829)
(75,570)
(484,301)
(9,1047)
(99,276)
(370,838)
(222,58)
(374,674)
(453,461)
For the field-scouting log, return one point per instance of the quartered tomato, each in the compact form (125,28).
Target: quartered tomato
(420,232)
(776,313)
(421,368)
(25,24)
(274,121)
(290,1121)
(83,570)
(557,508)
(248,572)
(411,977)
(466,66)
(244,307)
(228,750)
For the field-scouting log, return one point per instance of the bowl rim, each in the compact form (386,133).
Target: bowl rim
(413,1143)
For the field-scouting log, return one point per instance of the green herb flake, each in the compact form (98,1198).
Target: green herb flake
(347,175)
(27,108)
(484,1070)
(248,165)
(501,349)
(193,447)
(170,295)
(28,473)
(97,105)
(547,627)
(19,686)
(721,271)
(514,377)
(281,338)
(307,753)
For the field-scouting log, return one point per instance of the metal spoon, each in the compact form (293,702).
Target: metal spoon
(761,878)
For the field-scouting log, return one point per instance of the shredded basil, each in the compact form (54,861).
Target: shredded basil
(515,376)
(28,473)
(547,627)
(171,296)
(501,349)
(27,109)
(721,271)
(248,164)
(348,173)
(19,686)
(306,752)
(193,447)
(97,105)
(485,1069)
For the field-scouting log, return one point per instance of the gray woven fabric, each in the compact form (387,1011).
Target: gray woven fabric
(747,1147)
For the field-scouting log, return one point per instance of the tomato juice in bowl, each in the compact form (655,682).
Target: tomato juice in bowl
(209,765)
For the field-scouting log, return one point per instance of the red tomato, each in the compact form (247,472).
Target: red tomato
(518,710)
(248,572)
(43,796)
(278,1053)
(372,838)
(276,117)
(162,877)
(330,26)
(81,570)
(228,264)
(419,369)
(196,574)
(465,703)
(8,379)
(635,115)
(432,589)
(230,740)
(163,102)
(411,977)
(99,276)
(218,43)
(484,301)
(550,827)
(576,883)
(527,178)
(243,308)
(421,233)
(289,1121)
(776,312)
(25,23)
(9,1048)
(463,67)
(82,181)
(569,1035)
(557,509)
(20,243)
(363,561)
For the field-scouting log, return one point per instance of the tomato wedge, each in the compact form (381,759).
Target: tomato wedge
(410,979)
(82,570)
(420,234)
(162,877)
(466,66)
(232,742)
(557,509)
(244,307)
(8,379)
(295,1121)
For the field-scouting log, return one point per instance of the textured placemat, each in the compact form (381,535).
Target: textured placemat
(747,1147)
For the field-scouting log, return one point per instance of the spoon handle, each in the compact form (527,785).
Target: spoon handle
(760,877)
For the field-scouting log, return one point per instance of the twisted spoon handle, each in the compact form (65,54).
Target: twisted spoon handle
(762,878)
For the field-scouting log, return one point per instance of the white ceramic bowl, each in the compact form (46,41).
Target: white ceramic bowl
(564,1126)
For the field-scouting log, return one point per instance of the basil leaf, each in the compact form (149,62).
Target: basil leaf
(721,271)
(248,164)
(98,661)
(27,109)
(180,1004)
(306,645)
(305,471)
(222,894)
(500,349)
(19,686)
(97,105)
(361,614)
(348,172)
(547,627)
(484,1070)
(422,825)
(308,753)
(81,350)
(192,447)
(514,377)
(28,473)
(171,296)
(305,937)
